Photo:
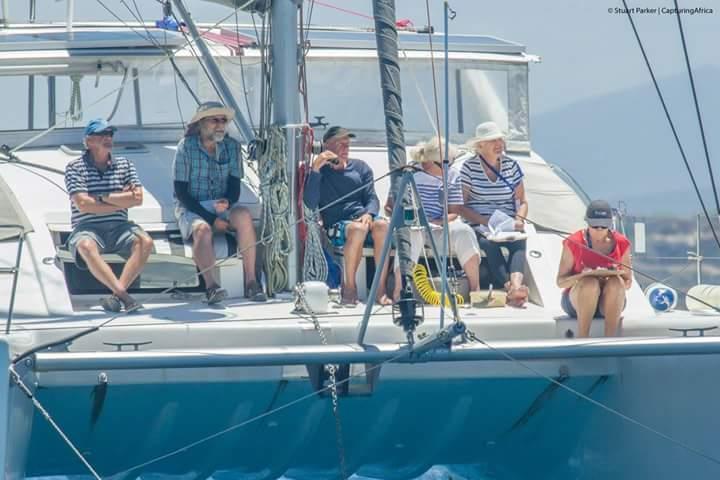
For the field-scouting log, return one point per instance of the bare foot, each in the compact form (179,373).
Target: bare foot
(349,296)
(383,300)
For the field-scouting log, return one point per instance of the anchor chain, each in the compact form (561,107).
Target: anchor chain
(331,371)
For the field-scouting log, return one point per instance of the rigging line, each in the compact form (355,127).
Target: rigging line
(345,10)
(697,109)
(282,407)
(242,72)
(671,123)
(20,166)
(151,39)
(597,403)
(133,77)
(158,295)
(15,377)
(176,68)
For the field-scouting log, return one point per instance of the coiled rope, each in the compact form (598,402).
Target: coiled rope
(315,267)
(275,193)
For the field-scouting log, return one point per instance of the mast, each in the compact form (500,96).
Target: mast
(387,50)
(286,105)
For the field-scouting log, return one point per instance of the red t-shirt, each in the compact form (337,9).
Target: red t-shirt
(586,258)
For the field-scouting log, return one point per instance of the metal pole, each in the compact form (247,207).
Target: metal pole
(70,15)
(698,256)
(286,104)
(136,94)
(16,274)
(31,102)
(33,11)
(227,97)
(445,166)
(5,12)
(396,220)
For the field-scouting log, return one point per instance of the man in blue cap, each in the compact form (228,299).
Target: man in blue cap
(207,171)
(101,188)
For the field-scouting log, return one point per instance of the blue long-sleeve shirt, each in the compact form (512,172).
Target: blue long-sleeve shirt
(328,185)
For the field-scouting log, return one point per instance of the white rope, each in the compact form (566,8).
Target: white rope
(315,265)
(275,193)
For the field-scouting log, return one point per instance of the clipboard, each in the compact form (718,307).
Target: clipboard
(600,272)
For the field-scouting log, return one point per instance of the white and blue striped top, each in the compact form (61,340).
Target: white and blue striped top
(81,175)
(487,196)
(430,189)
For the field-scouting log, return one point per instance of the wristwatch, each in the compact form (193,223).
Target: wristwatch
(100,199)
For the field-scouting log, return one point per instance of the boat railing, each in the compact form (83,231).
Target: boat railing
(13,270)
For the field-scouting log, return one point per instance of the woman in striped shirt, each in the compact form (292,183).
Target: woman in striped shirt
(463,242)
(492,181)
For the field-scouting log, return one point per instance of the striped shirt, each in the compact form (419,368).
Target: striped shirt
(430,190)
(486,196)
(82,176)
(206,175)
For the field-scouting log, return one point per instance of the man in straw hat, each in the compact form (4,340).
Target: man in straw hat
(344,189)
(206,171)
(102,187)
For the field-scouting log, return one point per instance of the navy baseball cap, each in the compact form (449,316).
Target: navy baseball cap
(97,126)
(337,131)
(599,214)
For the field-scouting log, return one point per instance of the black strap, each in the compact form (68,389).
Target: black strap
(498,174)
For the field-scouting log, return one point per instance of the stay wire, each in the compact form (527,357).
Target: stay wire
(671,123)
(697,109)
(133,77)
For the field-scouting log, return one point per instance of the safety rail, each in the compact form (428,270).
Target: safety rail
(14,271)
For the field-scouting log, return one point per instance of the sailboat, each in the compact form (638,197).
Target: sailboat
(185,390)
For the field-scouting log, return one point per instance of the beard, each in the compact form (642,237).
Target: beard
(218,137)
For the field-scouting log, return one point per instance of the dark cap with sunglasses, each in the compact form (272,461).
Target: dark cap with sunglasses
(599,214)
(99,126)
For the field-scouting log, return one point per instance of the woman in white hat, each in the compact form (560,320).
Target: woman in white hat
(492,181)
(463,242)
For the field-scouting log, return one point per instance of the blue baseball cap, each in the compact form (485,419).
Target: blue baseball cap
(98,125)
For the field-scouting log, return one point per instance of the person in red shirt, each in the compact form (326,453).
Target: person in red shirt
(586,294)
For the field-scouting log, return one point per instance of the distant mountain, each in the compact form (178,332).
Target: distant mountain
(620,147)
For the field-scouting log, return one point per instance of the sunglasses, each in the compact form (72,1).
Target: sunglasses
(221,120)
(599,228)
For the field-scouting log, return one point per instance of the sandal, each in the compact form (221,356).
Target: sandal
(214,295)
(131,305)
(254,292)
(111,304)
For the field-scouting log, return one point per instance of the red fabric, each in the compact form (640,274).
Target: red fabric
(586,258)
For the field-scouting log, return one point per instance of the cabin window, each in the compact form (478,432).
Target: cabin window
(479,92)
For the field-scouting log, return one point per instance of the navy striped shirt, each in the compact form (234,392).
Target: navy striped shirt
(81,175)
(430,190)
(486,196)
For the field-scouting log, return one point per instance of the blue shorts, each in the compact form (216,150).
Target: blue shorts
(336,234)
(568,308)
(111,237)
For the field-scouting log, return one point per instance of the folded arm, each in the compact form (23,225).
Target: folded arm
(89,204)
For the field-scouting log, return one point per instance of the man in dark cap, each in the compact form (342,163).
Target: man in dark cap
(206,171)
(102,187)
(354,219)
